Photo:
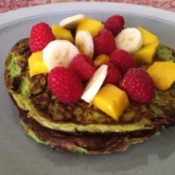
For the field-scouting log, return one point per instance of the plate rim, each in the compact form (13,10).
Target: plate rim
(17,15)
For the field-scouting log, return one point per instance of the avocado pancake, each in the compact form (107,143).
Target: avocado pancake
(81,127)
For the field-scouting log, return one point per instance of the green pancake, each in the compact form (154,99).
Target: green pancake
(81,121)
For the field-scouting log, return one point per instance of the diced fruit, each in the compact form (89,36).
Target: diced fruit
(62,33)
(146,53)
(101,59)
(66,86)
(95,84)
(84,42)
(36,64)
(122,60)
(113,76)
(115,24)
(104,43)
(59,53)
(91,25)
(82,66)
(138,85)
(111,100)
(129,39)
(148,37)
(40,36)
(72,21)
(162,74)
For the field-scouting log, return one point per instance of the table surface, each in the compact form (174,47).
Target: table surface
(7,5)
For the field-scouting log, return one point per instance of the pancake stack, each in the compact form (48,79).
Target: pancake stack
(80,127)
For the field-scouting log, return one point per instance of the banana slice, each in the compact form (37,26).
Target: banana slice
(59,53)
(72,21)
(129,39)
(95,83)
(84,42)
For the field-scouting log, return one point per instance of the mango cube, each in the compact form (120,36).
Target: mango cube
(148,37)
(146,53)
(101,59)
(36,64)
(62,33)
(163,74)
(111,100)
(91,25)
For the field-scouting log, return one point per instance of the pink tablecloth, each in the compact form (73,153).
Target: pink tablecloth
(6,5)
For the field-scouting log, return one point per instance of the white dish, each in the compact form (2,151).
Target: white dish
(20,155)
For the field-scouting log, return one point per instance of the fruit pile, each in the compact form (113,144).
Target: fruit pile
(98,62)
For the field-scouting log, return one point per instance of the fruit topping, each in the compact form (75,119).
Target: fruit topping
(95,62)
(111,100)
(129,39)
(65,85)
(101,59)
(95,84)
(72,21)
(138,85)
(91,25)
(146,54)
(163,74)
(62,33)
(40,36)
(82,66)
(36,64)
(104,43)
(59,53)
(84,42)
(122,60)
(148,37)
(115,24)
(113,76)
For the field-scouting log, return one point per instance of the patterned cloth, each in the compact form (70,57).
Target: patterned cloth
(6,5)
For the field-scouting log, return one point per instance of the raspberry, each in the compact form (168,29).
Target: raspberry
(115,24)
(66,86)
(40,36)
(82,66)
(122,60)
(138,85)
(104,43)
(113,76)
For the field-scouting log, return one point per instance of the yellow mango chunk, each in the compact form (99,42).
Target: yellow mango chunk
(62,33)
(36,64)
(146,53)
(101,59)
(163,74)
(91,25)
(148,37)
(111,100)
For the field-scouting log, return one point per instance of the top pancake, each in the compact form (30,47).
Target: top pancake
(33,96)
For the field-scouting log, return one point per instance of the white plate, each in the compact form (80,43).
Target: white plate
(20,155)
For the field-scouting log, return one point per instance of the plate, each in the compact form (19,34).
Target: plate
(20,155)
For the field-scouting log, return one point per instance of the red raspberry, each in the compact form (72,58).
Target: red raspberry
(113,76)
(104,43)
(115,24)
(123,60)
(65,85)
(82,66)
(138,85)
(40,36)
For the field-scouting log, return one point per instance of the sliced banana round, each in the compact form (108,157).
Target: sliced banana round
(72,21)
(94,84)
(129,39)
(84,42)
(59,53)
